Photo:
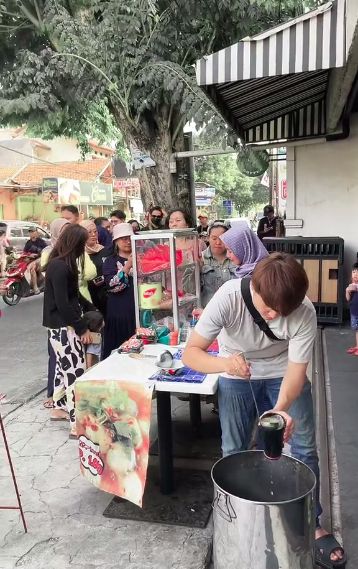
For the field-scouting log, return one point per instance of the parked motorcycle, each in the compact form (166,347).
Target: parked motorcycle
(17,282)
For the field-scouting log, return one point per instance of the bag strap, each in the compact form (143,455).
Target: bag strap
(261,323)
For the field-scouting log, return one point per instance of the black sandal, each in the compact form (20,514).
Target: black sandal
(325,546)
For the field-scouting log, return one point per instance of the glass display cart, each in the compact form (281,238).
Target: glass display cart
(166,276)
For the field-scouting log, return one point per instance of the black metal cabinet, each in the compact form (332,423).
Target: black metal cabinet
(322,259)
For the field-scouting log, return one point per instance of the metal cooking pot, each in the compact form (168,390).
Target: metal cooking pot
(264,512)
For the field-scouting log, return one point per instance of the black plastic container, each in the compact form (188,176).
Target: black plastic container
(272,427)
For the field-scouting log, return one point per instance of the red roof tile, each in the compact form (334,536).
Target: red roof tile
(33,174)
(7,173)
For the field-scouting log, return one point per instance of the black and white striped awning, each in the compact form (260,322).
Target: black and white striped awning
(273,86)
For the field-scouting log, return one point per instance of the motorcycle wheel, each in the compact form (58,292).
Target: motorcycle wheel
(13,295)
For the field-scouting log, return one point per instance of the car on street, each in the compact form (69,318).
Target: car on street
(17,232)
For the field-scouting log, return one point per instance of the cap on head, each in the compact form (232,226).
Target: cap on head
(122,230)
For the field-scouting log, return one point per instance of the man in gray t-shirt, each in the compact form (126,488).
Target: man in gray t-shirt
(277,367)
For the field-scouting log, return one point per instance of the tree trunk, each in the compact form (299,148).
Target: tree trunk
(154,137)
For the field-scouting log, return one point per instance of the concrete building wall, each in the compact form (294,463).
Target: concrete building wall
(62,150)
(351,20)
(8,204)
(323,190)
(18,152)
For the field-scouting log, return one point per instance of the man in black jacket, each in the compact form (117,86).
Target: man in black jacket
(267,224)
(34,246)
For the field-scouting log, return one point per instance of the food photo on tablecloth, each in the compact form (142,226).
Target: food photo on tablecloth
(113,421)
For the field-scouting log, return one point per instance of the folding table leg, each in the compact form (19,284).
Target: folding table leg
(19,507)
(195,412)
(165,442)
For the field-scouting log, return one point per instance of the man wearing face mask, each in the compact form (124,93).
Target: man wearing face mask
(155,218)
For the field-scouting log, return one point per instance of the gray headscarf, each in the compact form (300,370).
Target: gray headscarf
(247,247)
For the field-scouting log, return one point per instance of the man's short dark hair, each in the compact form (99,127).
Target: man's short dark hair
(71,208)
(99,220)
(32,229)
(119,214)
(281,281)
(268,209)
(355,265)
(155,208)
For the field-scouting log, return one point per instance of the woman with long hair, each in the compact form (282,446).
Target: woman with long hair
(56,227)
(62,316)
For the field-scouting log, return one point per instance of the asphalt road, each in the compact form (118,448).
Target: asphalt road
(23,350)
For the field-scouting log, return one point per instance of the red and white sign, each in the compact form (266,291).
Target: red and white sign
(127,187)
(284,189)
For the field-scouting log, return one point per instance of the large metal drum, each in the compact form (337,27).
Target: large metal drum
(264,512)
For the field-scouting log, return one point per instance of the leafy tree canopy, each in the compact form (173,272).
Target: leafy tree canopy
(82,66)
(223,173)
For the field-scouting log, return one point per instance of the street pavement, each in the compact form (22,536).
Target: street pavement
(23,351)
(63,511)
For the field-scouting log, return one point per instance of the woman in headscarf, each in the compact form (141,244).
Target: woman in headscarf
(97,254)
(56,227)
(243,248)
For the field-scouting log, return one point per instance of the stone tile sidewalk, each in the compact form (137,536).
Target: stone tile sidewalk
(64,512)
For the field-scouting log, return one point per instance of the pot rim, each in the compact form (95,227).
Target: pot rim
(256,502)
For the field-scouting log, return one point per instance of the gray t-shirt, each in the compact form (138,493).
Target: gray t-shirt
(227,318)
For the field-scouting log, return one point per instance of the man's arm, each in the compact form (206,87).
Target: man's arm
(196,357)
(292,385)
(260,228)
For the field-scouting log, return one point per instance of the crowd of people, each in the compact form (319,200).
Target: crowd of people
(89,311)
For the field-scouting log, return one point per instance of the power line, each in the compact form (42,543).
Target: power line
(48,162)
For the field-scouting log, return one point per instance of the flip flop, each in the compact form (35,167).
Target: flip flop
(73,436)
(54,419)
(48,404)
(325,546)
(352,350)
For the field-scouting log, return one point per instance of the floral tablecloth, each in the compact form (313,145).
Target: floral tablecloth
(113,421)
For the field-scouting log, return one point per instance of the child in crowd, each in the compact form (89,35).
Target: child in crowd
(352,298)
(95,323)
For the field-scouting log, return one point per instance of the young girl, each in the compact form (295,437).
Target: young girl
(62,315)
(352,298)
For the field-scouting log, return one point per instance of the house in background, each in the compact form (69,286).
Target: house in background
(296,85)
(25,162)
(21,192)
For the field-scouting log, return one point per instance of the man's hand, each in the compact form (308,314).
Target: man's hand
(290,425)
(237,365)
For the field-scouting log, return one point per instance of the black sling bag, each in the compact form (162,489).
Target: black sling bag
(262,324)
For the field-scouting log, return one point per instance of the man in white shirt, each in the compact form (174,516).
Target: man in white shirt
(277,368)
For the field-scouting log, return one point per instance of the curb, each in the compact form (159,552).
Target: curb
(329,484)
(15,402)
(332,455)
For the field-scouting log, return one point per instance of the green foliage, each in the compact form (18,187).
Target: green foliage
(79,67)
(135,56)
(223,173)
